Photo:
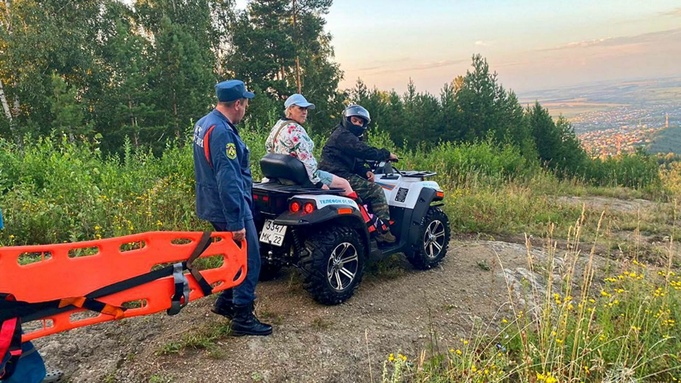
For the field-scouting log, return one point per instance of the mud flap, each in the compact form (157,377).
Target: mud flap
(422,205)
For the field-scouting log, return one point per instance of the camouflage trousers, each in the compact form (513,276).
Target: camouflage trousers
(371,194)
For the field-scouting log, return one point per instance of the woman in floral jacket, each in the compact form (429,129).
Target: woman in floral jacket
(289,137)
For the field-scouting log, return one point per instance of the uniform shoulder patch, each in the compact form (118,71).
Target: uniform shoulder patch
(231,151)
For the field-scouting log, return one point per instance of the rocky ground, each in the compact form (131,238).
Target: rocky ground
(399,310)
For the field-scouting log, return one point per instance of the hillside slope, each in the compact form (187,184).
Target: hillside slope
(396,310)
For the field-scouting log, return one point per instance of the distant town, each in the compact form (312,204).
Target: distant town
(612,118)
(600,139)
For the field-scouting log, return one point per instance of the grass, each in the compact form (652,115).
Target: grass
(59,191)
(391,267)
(159,379)
(576,322)
(201,338)
(581,326)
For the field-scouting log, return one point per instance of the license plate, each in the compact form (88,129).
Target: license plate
(272,233)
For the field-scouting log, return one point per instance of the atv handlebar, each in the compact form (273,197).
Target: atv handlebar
(383,167)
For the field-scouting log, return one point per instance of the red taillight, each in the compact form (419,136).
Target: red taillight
(255,197)
(308,207)
(265,198)
(305,207)
(439,194)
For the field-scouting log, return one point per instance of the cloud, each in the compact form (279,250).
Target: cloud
(369,68)
(646,38)
(381,64)
(584,44)
(674,12)
(392,68)
(481,43)
(645,55)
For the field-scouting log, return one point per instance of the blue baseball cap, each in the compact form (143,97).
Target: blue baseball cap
(232,90)
(298,99)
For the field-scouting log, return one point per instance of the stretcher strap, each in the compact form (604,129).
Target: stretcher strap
(90,300)
(181,296)
(200,248)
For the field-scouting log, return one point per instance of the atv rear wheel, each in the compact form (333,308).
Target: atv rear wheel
(433,240)
(335,264)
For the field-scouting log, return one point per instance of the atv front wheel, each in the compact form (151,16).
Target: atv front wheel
(335,264)
(433,240)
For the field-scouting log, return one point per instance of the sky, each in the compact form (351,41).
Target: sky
(531,44)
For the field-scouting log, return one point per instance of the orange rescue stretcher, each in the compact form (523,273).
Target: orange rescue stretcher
(70,285)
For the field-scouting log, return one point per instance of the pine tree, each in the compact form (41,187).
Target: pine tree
(274,43)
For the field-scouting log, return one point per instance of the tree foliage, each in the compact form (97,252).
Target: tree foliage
(276,45)
(557,145)
(476,108)
(139,74)
(145,71)
(39,39)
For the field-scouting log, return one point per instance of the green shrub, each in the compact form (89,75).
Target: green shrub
(637,170)
(59,190)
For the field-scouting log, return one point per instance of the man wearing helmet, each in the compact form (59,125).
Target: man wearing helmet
(344,155)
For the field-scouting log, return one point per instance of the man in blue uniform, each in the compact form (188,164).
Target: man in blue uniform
(224,196)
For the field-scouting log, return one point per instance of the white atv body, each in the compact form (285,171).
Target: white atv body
(326,235)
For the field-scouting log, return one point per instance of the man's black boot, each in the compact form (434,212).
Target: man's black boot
(245,322)
(224,306)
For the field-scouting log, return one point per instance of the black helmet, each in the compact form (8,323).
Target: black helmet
(357,111)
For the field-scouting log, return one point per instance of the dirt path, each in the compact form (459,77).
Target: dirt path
(406,313)
(398,309)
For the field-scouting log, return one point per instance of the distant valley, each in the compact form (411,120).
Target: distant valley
(612,117)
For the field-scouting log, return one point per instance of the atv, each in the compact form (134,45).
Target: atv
(326,235)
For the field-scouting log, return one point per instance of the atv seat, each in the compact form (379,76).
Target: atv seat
(283,168)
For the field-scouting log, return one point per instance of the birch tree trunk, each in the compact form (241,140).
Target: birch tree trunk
(3,95)
(5,104)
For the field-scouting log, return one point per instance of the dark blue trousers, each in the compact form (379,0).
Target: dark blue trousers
(245,293)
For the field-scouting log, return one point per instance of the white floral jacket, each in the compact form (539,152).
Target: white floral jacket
(289,137)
